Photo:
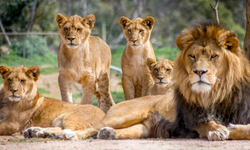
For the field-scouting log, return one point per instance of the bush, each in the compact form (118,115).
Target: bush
(31,45)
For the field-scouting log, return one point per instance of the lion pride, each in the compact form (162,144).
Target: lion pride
(212,85)
(136,78)
(21,106)
(84,59)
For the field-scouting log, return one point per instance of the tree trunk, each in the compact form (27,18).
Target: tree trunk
(247,36)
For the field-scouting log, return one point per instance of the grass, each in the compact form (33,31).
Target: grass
(43,91)
(118,96)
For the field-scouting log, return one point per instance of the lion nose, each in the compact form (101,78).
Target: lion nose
(200,72)
(133,41)
(13,91)
(71,39)
(160,78)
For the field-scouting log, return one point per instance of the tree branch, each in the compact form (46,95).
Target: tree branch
(215,10)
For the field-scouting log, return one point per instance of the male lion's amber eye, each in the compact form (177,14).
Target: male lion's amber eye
(65,29)
(22,81)
(129,31)
(213,57)
(192,57)
(9,80)
(167,70)
(140,31)
(78,30)
(156,70)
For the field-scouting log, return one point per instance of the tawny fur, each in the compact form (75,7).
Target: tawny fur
(84,59)
(135,73)
(211,84)
(21,106)
(161,73)
(134,118)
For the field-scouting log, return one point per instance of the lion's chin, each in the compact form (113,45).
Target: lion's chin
(201,88)
(14,99)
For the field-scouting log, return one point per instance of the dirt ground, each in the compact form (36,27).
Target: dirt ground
(133,144)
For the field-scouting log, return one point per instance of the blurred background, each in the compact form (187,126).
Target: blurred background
(29,34)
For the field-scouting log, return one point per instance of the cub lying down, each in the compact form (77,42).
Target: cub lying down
(21,106)
(129,119)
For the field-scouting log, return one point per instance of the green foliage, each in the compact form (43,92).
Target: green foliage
(20,140)
(30,46)
(42,91)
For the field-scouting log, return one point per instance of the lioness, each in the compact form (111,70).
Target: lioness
(85,59)
(161,73)
(212,85)
(21,106)
(135,73)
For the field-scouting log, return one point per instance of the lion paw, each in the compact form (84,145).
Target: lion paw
(218,135)
(36,132)
(107,133)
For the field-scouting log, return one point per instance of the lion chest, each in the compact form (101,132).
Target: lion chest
(135,68)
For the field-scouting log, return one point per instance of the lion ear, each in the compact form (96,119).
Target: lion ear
(124,21)
(178,43)
(60,19)
(150,62)
(4,71)
(171,63)
(34,72)
(89,21)
(149,21)
(229,41)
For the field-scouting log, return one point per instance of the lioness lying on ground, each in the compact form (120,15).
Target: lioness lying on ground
(125,120)
(161,73)
(84,59)
(135,73)
(21,106)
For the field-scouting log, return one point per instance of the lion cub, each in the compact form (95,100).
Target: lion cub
(21,106)
(135,73)
(161,73)
(85,59)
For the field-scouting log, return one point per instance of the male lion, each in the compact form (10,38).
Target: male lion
(212,85)
(135,73)
(21,106)
(85,59)
(161,73)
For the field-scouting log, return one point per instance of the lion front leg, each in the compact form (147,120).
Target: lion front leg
(65,84)
(239,132)
(9,127)
(128,87)
(213,131)
(88,87)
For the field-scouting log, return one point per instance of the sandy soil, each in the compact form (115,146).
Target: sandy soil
(136,144)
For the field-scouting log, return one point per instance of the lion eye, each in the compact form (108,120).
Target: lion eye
(167,70)
(213,57)
(140,31)
(192,57)
(65,29)
(129,31)
(78,30)
(9,80)
(22,81)
(156,70)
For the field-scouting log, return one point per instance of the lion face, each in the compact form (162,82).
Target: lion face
(20,82)
(75,29)
(205,62)
(161,71)
(137,31)
(202,66)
